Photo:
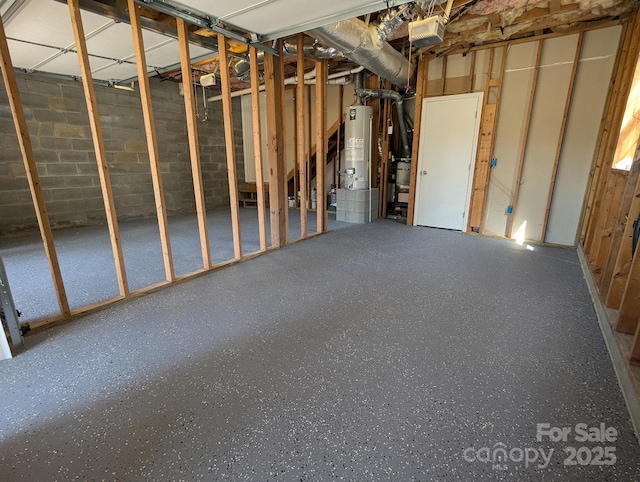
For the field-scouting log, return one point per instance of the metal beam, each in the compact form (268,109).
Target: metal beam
(204,20)
(109,9)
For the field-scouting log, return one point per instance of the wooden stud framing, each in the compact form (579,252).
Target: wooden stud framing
(486,144)
(421,93)
(525,138)
(624,256)
(296,160)
(98,143)
(603,204)
(444,74)
(310,139)
(492,54)
(492,141)
(384,171)
(336,171)
(606,221)
(595,172)
(630,303)
(19,120)
(634,357)
(483,154)
(274,83)
(257,147)
(620,229)
(321,144)
(622,85)
(230,147)
(152,142)
(194,150)
(597,178)
(563,126)
(472,74)
(300,118)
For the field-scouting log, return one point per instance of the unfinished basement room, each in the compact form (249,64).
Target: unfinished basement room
(264,240)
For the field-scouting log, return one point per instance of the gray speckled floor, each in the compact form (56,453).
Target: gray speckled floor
(377,352)
(86,260)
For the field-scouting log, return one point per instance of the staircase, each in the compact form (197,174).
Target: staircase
(335,142)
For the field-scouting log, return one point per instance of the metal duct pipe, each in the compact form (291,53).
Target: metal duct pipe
(316,50)
(362,44)
(241,67)
(392,20)
(402,125)
(341,77)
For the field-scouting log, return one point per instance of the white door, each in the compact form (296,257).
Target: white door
(446,159)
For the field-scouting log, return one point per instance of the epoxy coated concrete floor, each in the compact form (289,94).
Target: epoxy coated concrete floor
(86,260)
(377,352)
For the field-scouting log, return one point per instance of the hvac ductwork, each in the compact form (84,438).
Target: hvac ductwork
(241,67)
(315,50)
(366,45)
(402,125)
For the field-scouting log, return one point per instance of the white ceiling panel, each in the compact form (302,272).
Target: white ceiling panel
(42,32)
(42,24)
(27,55)
(67,64)
(168,53)
(116,72)
(114,42)
(274,18)
(197,51)
(48,22)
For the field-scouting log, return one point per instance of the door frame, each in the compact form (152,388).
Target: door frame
(472,167)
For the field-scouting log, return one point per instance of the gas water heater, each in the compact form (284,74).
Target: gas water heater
(357,146)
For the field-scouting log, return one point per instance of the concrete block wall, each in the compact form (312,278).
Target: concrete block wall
(63,149)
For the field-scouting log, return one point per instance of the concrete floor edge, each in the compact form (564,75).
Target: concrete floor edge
(619,365)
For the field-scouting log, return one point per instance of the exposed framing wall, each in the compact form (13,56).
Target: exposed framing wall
(539,123)
(613,204)
(169,129)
